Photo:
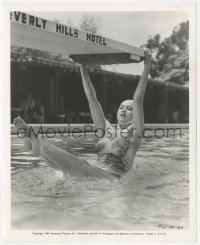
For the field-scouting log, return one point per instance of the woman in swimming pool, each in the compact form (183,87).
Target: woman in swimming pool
(116,151)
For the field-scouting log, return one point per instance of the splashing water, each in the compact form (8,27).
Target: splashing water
(154,192)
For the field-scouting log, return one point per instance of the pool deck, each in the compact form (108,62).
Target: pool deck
(90,127)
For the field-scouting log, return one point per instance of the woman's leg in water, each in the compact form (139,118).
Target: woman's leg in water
(69,163)
(60,159)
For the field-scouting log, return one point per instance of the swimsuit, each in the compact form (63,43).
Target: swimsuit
(112,155)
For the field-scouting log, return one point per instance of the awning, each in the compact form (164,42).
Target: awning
(29,56)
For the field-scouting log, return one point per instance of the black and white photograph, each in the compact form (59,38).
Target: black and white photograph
(102,123)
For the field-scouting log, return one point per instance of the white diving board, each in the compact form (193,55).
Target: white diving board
(37,33)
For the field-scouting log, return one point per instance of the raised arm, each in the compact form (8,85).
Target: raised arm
(95,107)
(139,97)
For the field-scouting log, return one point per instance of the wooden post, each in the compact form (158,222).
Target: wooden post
(58,106)
(51,97)
(104,95)
(163,105)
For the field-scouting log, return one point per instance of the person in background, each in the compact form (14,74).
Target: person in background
(30,107)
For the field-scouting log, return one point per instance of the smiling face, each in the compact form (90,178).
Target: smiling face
(125,112)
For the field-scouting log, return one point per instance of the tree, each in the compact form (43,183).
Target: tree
(70,23)
(90,23)
(87,23)
(171,53)
(180,35)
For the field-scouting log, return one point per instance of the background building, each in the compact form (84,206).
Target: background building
(56,87)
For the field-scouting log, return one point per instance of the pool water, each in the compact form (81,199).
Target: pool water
(155,193)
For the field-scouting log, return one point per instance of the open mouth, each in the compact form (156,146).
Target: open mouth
(123,115)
